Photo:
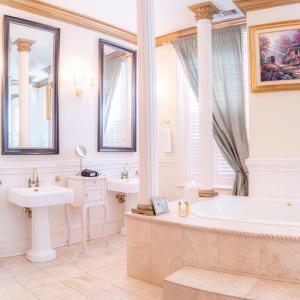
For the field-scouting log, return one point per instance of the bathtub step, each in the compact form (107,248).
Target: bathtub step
(190,283)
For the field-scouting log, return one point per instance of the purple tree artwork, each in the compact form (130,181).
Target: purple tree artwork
(280,55)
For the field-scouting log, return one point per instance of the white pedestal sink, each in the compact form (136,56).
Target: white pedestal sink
(39,199)
(130,187)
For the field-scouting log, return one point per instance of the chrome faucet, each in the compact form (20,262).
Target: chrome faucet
(34,181)
(124,173)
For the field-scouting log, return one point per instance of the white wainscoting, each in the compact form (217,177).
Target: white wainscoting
(14,223)
(278,178)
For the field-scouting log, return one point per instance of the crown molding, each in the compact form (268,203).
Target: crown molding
(161,40)
(250,5)
(62,14)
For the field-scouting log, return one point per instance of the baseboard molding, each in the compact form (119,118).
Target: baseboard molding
(20,244)
(276,177)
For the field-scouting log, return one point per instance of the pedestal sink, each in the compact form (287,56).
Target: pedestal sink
(129,187)
(39,199)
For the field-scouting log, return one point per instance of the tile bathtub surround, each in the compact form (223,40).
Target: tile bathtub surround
(100,273)
(166,246)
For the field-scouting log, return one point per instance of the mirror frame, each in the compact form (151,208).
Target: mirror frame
(101,147)
(6,150)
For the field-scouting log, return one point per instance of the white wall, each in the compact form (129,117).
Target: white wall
(78,125)
(274,127)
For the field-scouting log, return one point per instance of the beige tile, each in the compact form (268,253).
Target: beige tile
(166,240)
(138,233)
(13,260)
(34,280)
(25,295)
(151,292)
(56,290)
(130,284)
(59,261)
(106,292)
(280,259)
(178,292)
(139,264)
(109,273)
(274,290)
(191,276)
(211,296)
(239,254)
(229,285)
(87,263)
(200,248)
(15,269)
(84,282)
(163,267)
(132,296)
(64,272)
(8,286)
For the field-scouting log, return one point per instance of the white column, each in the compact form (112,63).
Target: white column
(146,73)
(204,13)
(24,48)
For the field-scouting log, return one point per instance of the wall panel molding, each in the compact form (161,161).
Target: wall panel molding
(62,14)
(277,177)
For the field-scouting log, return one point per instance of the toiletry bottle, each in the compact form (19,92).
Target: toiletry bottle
(179,208)
(187,208)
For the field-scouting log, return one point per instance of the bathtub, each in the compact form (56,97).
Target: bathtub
(249,210)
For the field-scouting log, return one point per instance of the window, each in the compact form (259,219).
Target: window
(189,114)
(223,174)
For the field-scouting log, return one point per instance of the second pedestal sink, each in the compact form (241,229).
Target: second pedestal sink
(130,187)
(39,199)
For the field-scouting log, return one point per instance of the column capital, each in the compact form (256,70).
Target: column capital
(24,45)
(204,10)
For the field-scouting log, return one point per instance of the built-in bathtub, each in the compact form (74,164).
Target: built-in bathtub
(240,235)
(250,210)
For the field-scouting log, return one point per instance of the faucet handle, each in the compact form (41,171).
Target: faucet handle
(29,183)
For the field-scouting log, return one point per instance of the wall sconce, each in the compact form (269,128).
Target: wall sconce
(81,83)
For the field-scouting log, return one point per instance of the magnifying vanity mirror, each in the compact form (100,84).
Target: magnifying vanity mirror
(30,103)
(81,153)
(117,98)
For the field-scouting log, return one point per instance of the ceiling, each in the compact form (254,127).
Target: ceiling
(170,15)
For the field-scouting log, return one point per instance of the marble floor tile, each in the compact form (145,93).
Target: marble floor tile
(25,295)
(15,269)
(56,290)
(64,272)
(34,280)
(130,284)
(109,273)
(106,292)
(8,286)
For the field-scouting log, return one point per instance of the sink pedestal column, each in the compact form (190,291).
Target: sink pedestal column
(41,250)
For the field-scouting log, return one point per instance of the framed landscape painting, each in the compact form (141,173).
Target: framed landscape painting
(275,56)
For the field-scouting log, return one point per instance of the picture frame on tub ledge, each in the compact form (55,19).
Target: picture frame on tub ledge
(160,205)
(275,56)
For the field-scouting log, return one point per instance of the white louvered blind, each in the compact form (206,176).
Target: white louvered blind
(223,173)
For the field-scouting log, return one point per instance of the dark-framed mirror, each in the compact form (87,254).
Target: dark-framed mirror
(117,98)
(30,90)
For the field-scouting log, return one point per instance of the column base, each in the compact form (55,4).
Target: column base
(207,193)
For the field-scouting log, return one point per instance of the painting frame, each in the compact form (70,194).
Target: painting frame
(160,205)
(257,85)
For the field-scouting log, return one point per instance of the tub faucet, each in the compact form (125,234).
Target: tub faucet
(34,181)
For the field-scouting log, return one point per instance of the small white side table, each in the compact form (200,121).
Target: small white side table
(88,192)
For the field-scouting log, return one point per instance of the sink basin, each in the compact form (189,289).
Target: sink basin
(126,186)
(39,199)
(42,196)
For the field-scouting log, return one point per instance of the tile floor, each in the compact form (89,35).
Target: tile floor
(100,273)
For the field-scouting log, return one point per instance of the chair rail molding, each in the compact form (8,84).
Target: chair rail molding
(250,5)
(274,177)
(62,14)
